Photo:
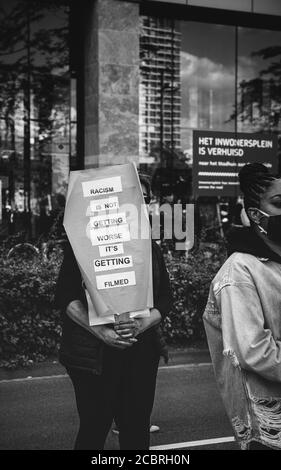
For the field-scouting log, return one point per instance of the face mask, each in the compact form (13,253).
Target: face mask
(273,231)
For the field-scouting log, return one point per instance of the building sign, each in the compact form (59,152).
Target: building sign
(219,156)
(105,235)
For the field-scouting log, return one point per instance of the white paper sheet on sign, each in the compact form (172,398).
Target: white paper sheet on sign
(104,208)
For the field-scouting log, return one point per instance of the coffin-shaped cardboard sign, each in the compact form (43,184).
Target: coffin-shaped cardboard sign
(107,224)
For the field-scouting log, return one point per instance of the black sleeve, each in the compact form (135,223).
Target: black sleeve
(69,283)
(163,298)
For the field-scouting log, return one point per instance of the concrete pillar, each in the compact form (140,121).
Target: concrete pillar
(111,77)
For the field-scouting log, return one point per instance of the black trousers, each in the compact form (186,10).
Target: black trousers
(124,392)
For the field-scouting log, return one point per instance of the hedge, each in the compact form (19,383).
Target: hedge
(190,279)
(30,327)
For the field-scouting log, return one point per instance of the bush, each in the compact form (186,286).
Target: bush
(30,327)
(190,278)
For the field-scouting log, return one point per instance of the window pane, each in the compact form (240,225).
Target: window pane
(160,48)
(37,103)
(259,75)
(207,79)
(13,77)
(50,79)
(187,82)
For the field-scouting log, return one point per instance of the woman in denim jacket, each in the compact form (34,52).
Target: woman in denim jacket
(242,318)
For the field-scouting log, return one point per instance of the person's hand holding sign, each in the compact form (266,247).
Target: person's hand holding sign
(128,328)
(77,312)
(110,337)
(125,327)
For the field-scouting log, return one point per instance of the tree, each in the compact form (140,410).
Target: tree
(34,84)
(259,105)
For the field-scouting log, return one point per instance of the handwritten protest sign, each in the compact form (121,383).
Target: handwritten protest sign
(107,224)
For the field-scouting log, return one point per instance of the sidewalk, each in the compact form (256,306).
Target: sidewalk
(178,356)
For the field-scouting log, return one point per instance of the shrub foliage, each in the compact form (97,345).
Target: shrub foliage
(30,327)
(190,278)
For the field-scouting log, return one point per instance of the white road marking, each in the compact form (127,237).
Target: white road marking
(185,445)
(31,379)
(61,376)
(186,366)
(179,445)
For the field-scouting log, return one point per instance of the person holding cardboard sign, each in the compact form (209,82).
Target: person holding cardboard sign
(113,367)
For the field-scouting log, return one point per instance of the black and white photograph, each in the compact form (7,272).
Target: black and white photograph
(140,230)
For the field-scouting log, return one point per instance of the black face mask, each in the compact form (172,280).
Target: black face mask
(273,231)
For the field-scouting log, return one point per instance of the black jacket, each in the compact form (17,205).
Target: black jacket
(80,348)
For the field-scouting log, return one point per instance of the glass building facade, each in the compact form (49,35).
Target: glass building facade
(37,112)
(148,74)
(220,77)
(160,99)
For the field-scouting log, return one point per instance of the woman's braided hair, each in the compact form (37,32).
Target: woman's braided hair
(254,180)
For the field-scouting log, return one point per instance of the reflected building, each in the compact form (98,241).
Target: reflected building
(160,88)
(37,110)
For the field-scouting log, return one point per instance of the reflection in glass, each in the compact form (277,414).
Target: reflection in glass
(187,82)
(37,101)
(207,79)
(160,108)
(259,79)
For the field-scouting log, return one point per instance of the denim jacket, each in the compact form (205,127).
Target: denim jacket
(242,320)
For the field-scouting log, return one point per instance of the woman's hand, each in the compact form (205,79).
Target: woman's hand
(130,328)
(110,337)
(127,329)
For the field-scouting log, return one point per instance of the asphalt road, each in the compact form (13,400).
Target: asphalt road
(39,413)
